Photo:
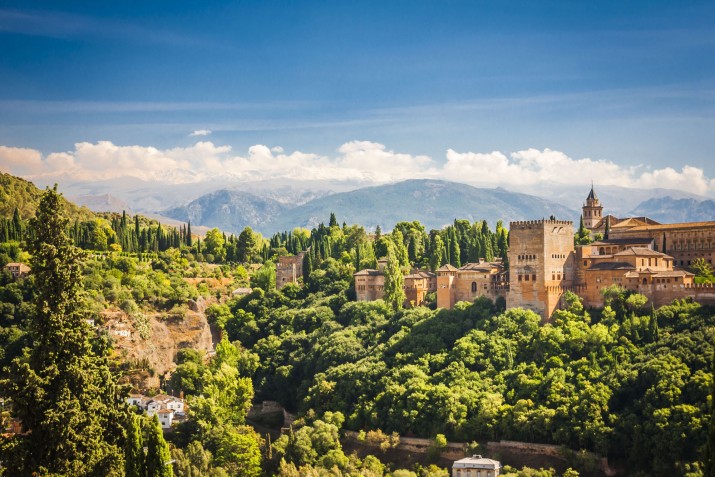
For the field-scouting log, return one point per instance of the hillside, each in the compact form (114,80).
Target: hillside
(672,210)
(16,192)
(434,203)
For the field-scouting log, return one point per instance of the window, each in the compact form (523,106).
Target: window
(526,278)
(474,287)
(533,277)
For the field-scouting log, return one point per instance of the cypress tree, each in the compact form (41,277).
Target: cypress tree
(158,457)
(188,234)
(17,224)
(62,389)
(134,448)
(307,266)
(394,280)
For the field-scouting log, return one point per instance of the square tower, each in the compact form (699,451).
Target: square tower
(541,264)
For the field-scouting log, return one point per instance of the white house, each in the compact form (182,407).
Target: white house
(175,404)
(136,400)
(166,417)
(476,466)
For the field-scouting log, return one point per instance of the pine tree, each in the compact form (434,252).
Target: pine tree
(333,220)
(62,389)
(158,457)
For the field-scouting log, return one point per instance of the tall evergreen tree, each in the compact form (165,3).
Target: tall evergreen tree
(134,448)
(709,458)
(62,389)
(394,280)
(158,457)
(17,224)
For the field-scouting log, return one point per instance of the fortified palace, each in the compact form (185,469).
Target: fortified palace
(636,253)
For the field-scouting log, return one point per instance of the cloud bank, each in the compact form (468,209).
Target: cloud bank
(356,161)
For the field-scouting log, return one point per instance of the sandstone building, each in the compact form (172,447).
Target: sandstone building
(636,253)
(370,284)
(289,269)
(470,282)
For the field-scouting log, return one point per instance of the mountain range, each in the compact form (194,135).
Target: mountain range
(434,203)
(272,206)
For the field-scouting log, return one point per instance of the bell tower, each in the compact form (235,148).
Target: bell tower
(592,210)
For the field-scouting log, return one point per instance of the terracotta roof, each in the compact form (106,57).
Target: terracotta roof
(447,268)
(368,271)
(632,222)
(421,274)
(683,225)
(673,273)
(641,251)
(476,462)
(482,266)
(624,241)
(612,266)
(165,411)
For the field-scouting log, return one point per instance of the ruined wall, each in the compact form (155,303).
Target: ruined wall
(289,270)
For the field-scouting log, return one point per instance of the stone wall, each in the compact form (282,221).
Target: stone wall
(541,261)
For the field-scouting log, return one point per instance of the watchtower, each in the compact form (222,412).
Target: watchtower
(541,264)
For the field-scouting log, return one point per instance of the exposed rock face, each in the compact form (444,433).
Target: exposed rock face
(164,335)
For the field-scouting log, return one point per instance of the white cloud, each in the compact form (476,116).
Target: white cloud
(20,161)
(356,161)
(200,132)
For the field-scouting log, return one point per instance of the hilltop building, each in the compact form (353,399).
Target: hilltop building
(470,281)
(636,253)
(289,269)
(370,284)
(476,466)
(541,264)
(18,270)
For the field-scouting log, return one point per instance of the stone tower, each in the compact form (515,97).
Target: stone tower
(541,264)
(592,210)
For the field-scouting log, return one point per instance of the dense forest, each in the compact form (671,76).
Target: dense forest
(628,382)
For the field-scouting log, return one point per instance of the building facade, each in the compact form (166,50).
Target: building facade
(469,282)
(370,284)
(289,269)
(476,466)
(638,254)
(541,264)
(18,270)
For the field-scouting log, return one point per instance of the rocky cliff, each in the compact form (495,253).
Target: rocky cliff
(147,343)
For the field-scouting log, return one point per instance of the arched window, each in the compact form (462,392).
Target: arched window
(645,281)
(474,287)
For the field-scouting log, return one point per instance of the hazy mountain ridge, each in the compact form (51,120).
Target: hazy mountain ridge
(229,210)
(672,210)
(434,203)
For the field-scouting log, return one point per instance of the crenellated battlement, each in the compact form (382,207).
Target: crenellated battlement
(527,224)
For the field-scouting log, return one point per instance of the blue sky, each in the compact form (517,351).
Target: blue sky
(630,84)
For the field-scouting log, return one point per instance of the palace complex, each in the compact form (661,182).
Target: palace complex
(636,253)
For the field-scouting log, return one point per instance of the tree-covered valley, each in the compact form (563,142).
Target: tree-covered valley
(628,382)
